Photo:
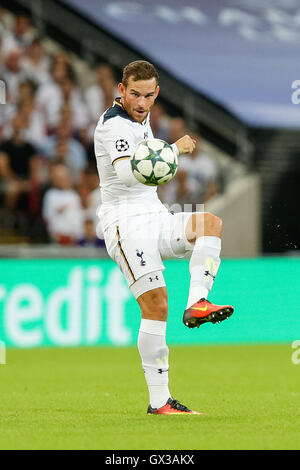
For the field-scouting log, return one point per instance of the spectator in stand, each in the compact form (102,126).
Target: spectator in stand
(90,238)
(62,209)
(109,86)
(160,124)
(4,34)
(90,195)
(63,148)
(66,113)
(35,64)
(49,96)
(7,112)
(199,176)
(1,46)
(71,98)
(89,192)
(62,58)
(22,33)
(35,126)
(7,43)
(101,95)
(34,130)
(18,168)
(168,192)
(12,74)
(4,21)
(177,129)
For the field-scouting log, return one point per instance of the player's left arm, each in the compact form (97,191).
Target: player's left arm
(185,145)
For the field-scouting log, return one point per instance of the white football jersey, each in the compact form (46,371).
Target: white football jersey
(116,137)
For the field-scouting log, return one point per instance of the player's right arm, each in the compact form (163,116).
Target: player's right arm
(185,145)
(118,142)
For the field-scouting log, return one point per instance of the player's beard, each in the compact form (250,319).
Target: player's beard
(139,117)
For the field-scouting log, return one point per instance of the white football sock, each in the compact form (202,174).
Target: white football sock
(154,353)
(204,265)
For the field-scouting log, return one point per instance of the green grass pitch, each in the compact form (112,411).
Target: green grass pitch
(96,398)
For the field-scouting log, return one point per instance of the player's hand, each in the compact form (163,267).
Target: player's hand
(185,145)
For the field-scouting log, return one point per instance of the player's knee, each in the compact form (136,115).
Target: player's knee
(159,306)
(203,224)
(161,313)
(154,305)
(212,225)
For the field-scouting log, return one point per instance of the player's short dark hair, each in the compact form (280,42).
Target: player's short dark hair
(139,70)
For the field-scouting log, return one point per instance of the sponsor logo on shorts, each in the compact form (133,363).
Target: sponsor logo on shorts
(152,279)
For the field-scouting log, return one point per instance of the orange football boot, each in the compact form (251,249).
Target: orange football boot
(204,311)
(172,407)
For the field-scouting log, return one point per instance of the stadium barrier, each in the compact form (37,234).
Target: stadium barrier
(240,209)
(87,302)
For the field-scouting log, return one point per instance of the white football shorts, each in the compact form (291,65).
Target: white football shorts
(139,244)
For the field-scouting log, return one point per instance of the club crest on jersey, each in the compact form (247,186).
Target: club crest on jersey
(122,145)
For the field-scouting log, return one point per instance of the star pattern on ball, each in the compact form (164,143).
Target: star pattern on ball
(122,145)
(154,162)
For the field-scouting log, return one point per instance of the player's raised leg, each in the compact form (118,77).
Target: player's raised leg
(154,353)
(204,230)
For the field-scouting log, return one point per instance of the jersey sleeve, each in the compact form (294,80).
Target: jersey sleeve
(119,142)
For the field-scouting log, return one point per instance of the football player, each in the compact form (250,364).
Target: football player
(139,231)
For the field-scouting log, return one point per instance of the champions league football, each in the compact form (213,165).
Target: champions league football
(154,162)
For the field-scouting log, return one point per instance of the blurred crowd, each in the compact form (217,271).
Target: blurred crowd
(49,185)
